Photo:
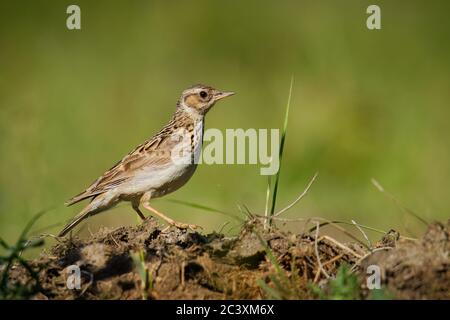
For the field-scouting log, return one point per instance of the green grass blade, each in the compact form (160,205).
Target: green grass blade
(271,293)
(206,208)
(272,259)
(139,263)
(283,138)
(30,224)
(269,187)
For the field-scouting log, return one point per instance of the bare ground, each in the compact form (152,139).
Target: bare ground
(190,265)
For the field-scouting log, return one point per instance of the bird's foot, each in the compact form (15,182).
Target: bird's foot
(171,222)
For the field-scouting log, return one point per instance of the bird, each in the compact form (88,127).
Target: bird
(158,166)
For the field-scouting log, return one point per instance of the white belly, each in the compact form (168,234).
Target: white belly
(160,181)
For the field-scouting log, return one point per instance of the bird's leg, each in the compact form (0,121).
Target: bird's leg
(144,201)
(135,205)
(170,221)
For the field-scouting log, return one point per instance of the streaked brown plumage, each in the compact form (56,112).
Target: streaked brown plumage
(152,170)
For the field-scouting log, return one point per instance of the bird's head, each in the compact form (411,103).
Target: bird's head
(199,99)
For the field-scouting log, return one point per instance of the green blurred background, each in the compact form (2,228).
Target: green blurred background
(365,103)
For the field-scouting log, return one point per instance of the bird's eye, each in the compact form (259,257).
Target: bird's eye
(203,94)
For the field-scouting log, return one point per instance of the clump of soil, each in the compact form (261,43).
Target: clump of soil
(416,269)
(189,265)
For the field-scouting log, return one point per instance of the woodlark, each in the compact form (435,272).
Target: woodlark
(157,167)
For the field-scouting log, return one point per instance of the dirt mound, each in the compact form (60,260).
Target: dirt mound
(416,269)
(144,262)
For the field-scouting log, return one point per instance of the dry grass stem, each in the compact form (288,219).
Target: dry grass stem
(316,249)
(300,197)
(363,233)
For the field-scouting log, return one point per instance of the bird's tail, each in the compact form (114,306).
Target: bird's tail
(79,197)
(85,213)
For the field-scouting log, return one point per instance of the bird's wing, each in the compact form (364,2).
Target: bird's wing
(154,152)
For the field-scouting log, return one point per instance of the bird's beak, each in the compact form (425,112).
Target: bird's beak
(218,95)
